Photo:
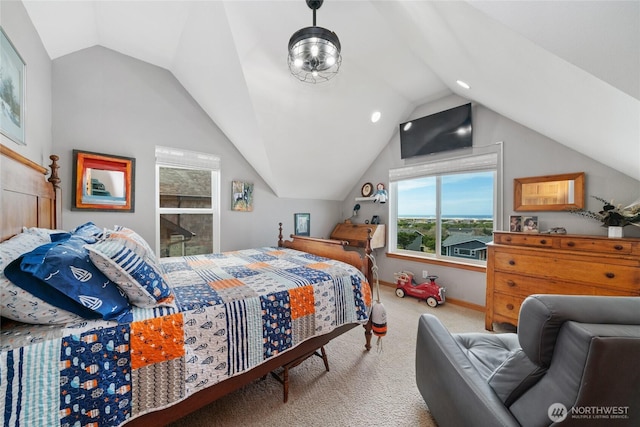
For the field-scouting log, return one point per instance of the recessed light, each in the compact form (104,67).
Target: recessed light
(376,116)
(463,84)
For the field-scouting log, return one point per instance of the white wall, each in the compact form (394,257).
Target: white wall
(110,103)
(526,153)
(22,33)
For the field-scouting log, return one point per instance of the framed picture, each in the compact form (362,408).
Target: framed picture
(367,189)
(241,196)
(530,224)
(515,223)
(103,182)
(302,224)
(12,91)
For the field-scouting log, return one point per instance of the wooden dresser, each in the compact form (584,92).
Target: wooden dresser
(521,264)
(356,234)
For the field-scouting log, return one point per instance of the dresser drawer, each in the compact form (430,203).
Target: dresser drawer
(587,271)
(537,240)
(604,246)
(525,285)
(507,307)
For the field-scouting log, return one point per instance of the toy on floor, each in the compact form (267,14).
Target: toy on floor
(429,291)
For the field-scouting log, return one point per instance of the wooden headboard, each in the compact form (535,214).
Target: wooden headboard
(27,198)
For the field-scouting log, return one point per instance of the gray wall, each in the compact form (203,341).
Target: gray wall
(526,153)
(22,33)
(110,103)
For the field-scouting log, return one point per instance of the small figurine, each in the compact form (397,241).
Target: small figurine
(381,194)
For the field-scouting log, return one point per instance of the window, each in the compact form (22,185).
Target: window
(446,209)
(188,199)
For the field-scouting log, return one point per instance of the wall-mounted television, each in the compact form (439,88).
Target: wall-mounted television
(444,131)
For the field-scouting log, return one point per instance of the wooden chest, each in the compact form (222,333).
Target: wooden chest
(519,265)
(356,234)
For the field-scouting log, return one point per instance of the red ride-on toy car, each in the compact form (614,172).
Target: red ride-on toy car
(429,291)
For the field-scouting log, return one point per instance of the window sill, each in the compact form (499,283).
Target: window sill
(480,268)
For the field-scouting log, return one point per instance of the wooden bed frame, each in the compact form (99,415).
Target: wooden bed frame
(28,199)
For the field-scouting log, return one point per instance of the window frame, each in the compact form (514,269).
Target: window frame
(484,158)
(178,158)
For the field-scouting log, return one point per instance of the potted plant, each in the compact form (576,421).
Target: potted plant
(614,217)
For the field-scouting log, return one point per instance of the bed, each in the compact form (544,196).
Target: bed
(227,320)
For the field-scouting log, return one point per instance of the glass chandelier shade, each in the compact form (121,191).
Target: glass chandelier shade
(314,53)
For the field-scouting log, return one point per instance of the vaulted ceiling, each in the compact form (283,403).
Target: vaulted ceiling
(569,70)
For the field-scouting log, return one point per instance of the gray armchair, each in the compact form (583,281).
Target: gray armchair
(575,360)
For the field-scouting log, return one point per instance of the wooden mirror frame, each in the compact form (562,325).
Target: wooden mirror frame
(578,196)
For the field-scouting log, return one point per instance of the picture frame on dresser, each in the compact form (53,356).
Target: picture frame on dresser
(13,91)
(103,182)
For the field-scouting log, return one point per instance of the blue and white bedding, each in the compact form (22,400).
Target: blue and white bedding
(229,313)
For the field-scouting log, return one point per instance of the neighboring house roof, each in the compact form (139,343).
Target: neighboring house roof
(457,239)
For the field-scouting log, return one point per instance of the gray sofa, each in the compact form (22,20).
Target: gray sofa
(574,361)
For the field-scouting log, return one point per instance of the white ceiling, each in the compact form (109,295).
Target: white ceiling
(567,69)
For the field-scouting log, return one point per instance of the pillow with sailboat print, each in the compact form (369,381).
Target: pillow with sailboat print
(62,274)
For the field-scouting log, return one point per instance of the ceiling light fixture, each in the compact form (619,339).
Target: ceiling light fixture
(463,84)
(314,52)
(376,116)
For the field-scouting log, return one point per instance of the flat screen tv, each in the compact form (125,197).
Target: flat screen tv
(443,131)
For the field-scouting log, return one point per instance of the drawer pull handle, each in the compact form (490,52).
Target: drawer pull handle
(511,283)
(609,275)
(508,238)
(509,306)
(571,244)
(512,262)
(543,242)
(618,247)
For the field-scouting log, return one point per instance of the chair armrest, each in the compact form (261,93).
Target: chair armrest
(542,316)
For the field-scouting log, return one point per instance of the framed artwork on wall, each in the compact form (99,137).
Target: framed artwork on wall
(12,91)
(103,182)
(302,224)
(241,196)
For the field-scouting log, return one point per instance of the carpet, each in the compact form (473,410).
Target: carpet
(375,388)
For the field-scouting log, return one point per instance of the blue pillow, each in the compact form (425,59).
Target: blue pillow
(88,229)
(62,274)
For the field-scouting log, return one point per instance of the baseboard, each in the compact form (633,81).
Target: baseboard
(453,301)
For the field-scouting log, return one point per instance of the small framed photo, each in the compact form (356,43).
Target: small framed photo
(302,224)
(241,196)
(530,224)
(515,223)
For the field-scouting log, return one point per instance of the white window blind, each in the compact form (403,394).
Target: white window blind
(186,159)
(471,163)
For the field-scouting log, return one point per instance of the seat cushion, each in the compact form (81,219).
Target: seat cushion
(486,352)
(515,376)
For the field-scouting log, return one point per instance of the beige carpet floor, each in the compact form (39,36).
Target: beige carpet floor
(375,388)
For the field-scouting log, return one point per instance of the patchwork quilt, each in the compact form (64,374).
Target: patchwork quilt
(232,311)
